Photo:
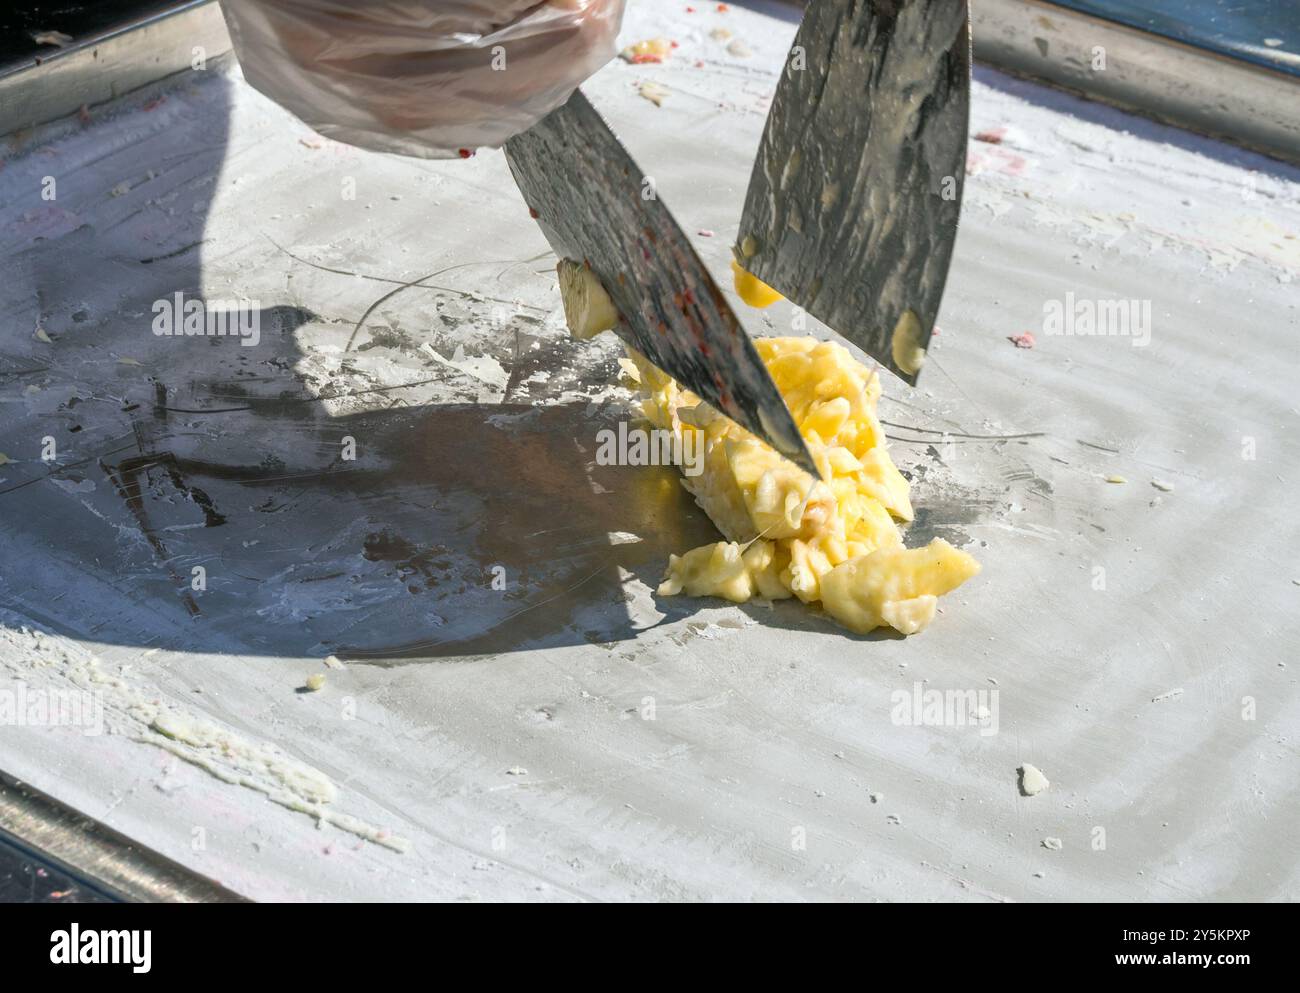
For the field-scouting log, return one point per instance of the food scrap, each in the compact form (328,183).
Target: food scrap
(588,309)
(652,50)
(654,92)
(1025,339)
(905,346)
(56,38)
(1032,780)
(750,288)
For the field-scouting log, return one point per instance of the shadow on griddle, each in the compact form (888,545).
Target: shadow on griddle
(204,497)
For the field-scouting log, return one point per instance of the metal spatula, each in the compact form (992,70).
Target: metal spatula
(593,205)
(853,203)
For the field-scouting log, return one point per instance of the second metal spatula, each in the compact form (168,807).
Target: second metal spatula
(853,203)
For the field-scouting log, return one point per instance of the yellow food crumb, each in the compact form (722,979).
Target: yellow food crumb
(1116,479)
(833,540)
(588,310)
(751,289)
(656,93)
(905,345)
(315,681)
(650,50)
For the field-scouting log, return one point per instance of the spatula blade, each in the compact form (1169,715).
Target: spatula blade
(852,207)
(594,206)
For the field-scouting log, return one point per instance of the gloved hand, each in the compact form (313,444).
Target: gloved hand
(431,78)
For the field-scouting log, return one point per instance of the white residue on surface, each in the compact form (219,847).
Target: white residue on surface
(484,368)
(1032,780)
(35,657)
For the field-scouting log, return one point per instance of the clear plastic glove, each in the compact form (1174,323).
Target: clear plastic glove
(431,78)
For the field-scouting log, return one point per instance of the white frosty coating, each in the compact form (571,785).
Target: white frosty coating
(1032,780)
(699,843)
(257,765)
(484,368)
(33,658)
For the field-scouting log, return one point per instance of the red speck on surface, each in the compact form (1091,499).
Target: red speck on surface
(704,233)
(532,212)
(60,894)
(155,103)
(675,45)
(689,297)
(690,10)
(645,57)
(1023,340)
(723,8)
(992,136)
(997,160)
(465,153)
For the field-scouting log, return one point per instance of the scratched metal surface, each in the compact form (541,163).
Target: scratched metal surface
(853,202)
(507,734)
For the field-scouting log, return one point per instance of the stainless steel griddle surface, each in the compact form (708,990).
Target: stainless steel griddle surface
(572,736)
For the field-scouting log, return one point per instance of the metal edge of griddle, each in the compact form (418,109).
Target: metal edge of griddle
(93,852)
(1152,75)
(108,65)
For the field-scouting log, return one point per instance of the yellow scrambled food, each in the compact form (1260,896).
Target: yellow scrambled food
(834,540)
